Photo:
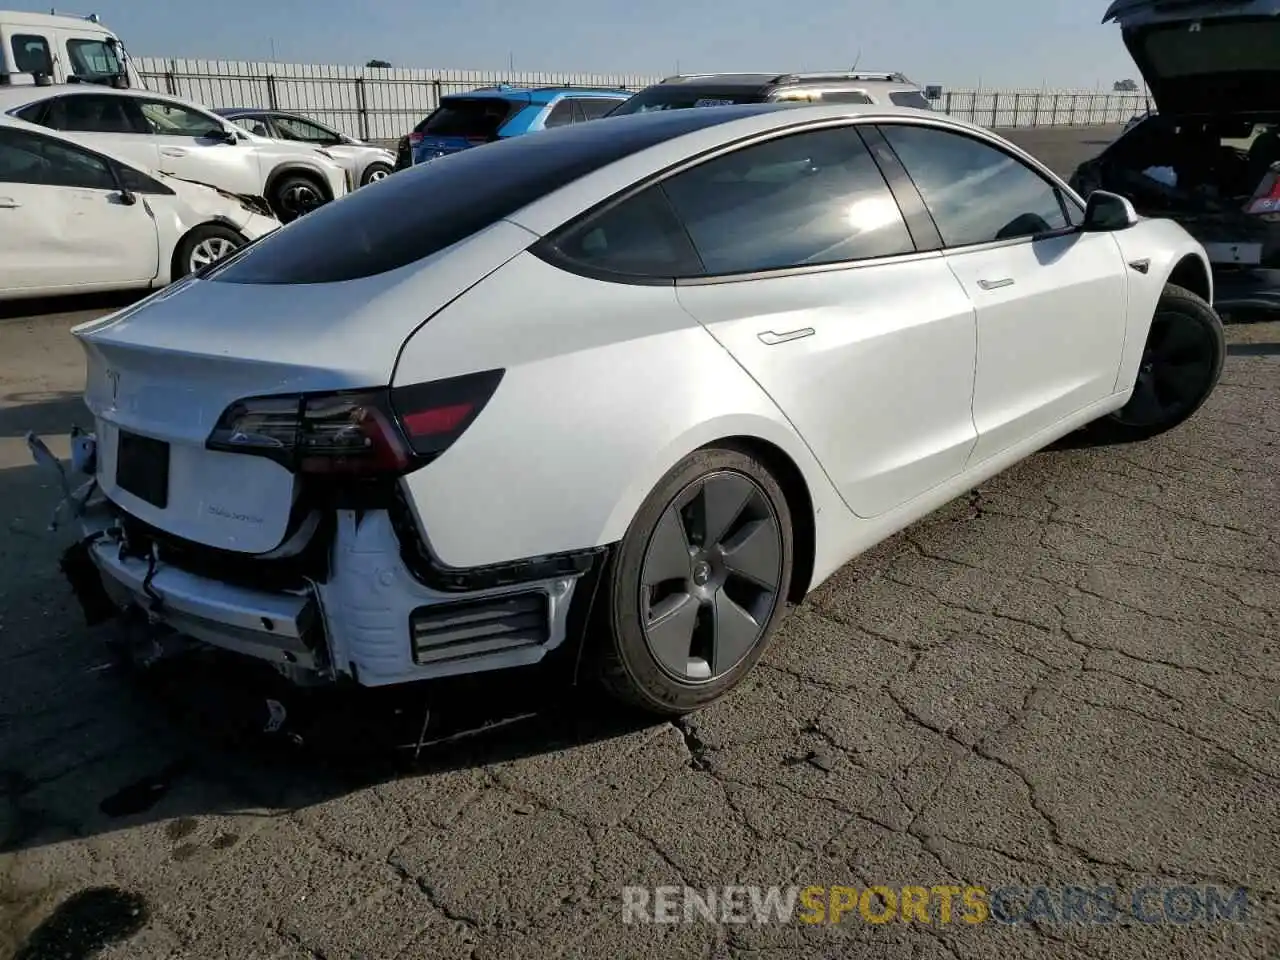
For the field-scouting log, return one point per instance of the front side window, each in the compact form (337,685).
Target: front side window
(254,125)
(93,59)
(798,200)
(31,54)
(295,128)
(28,158)
(174,120)
(910,98)
(975,192)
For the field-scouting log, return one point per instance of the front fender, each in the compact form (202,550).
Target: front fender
(1162,245)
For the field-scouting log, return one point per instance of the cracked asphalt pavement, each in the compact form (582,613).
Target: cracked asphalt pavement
(1069,677)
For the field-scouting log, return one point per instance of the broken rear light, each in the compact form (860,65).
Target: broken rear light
(1266,199)
(355,432)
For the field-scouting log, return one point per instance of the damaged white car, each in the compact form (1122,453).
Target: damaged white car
(1210,157)
(634,388)
(74,220)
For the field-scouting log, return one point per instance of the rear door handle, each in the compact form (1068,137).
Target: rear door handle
(769,338)
(996,284)
(8,203)
(172,152)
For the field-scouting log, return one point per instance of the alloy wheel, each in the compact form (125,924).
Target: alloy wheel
(207,251)
(711,577)
(1177,368)
(378,173)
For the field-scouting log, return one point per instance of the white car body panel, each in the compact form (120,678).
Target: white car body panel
(58,240)
(900,330)
(243,167)
(1048,343)
(916,383)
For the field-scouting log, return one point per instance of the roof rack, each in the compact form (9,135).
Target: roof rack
(886,75)
(719,73)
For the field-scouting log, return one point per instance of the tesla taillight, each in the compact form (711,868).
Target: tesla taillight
(361,432)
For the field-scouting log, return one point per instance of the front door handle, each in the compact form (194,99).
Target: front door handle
(8,203)
(172,152)
(769,338)
(996,284)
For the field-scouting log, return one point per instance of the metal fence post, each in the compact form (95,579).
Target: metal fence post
(362,106)
(995,108)
(1017,107)
(947,108)
(272,101)
(435,93)
(1053,120)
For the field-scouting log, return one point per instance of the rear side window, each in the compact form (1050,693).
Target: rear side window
(31,54)
(799,200)
(95,113)
(384,227)
(639,237)
(844,96)
(909,98)
(476,118)
(593,108)
(563,113)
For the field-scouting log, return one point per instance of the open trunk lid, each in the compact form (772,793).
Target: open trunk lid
(1204,56)
(162,372)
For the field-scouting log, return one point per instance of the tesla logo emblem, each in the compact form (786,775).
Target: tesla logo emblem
(114,377)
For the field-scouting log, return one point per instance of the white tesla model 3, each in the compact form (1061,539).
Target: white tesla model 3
(630,387)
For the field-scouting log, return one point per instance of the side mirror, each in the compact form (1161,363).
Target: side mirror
(127,197)
(1105,212)
(221,135)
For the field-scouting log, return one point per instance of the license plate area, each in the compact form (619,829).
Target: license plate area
(142,468)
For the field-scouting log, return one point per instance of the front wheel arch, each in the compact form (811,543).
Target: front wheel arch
(177,269)
(1190,273)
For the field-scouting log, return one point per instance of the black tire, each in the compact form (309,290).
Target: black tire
(208,238)
(627,665)
(1181,364)
(375,172)
(294,195)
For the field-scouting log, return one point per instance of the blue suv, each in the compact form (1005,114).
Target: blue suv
(494,113)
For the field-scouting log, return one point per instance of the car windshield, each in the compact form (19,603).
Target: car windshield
(93,59)
(476,118)
(682,97)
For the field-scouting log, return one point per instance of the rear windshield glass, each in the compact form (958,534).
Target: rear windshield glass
(680,98)
(910,98)
(476,118)
(426,208)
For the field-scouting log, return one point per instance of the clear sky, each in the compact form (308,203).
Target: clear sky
(959,43)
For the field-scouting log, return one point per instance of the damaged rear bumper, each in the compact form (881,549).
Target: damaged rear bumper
(364,614)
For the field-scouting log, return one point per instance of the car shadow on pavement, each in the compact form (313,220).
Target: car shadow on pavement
(43,413)
(100,302)
(92,743)
(1253,349)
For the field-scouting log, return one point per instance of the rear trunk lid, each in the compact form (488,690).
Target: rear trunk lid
(161,373)
(1205,56)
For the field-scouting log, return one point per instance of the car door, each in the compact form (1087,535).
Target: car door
(102,120)
(1051,300)
(64,222)
(191,146)
(817,285)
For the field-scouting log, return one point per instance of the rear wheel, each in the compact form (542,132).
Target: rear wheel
(1181,363)
(204,245)
(698,583)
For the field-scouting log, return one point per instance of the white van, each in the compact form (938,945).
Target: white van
(62,48)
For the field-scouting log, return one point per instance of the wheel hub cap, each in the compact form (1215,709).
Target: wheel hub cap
(711,577)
